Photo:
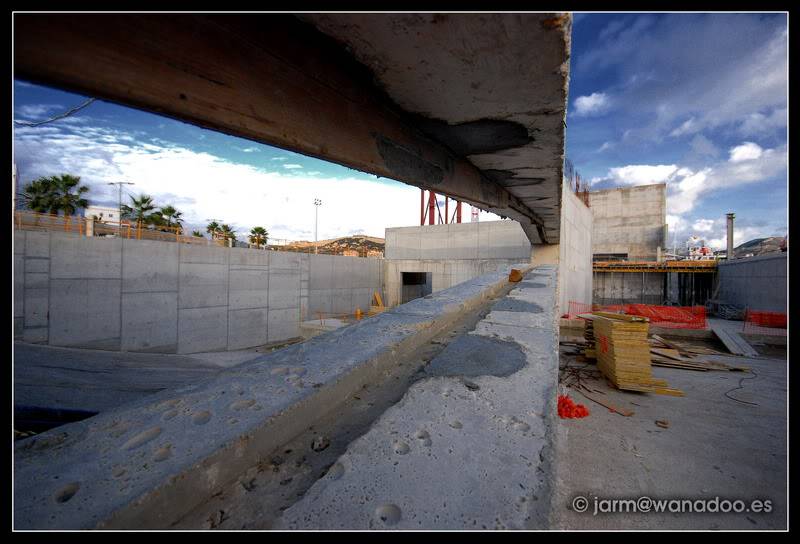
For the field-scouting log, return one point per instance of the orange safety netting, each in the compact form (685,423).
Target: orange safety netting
(672,317)
(567,409)
(768,323)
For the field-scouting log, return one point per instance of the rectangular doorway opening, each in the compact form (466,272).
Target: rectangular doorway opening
(416,285)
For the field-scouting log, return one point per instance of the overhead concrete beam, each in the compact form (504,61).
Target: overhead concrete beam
(279,81)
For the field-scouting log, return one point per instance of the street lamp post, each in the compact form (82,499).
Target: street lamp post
(119,203)
(317,204)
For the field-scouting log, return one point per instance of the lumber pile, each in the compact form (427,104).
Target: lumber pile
(623,353)
(377,304)
(671,354)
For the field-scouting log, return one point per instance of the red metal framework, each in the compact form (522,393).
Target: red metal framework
(433,212)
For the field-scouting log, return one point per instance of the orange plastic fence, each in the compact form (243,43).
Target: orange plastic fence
(670,317)
(768,323)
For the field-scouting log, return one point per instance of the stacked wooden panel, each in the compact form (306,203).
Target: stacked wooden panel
(623,353)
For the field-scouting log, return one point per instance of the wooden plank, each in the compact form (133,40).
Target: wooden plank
(733,341)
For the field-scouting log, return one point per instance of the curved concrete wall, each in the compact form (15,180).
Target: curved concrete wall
(165,297)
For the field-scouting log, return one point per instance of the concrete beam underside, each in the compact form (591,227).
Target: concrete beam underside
(280,81)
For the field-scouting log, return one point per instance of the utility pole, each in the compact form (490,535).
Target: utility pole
(317,204)
(119,203)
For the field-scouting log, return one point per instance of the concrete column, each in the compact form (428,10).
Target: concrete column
(729,253)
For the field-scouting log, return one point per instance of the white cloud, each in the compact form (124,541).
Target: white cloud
(36,111)
(748,151)
(593,104)
(689,126)
(250,150)
(748,163)
(292,166)
(204,186)
(642,174)
(605,147)
(278,158)
(714,70)
(757,123)
(703,225)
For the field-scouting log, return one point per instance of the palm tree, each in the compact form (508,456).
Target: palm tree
(213,229)
(139,210)
(197,234)
(171,216)
(37,195)
(226,232)
(64,198)
(55,194)
(258,236)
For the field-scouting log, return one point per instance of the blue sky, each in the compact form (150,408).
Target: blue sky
(698,101)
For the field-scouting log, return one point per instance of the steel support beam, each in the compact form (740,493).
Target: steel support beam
(271,79)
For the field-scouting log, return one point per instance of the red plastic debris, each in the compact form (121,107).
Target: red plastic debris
(567,409)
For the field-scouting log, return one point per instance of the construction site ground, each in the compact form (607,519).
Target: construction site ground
(726,438)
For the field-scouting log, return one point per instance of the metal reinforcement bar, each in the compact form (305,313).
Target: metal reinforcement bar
(708,267)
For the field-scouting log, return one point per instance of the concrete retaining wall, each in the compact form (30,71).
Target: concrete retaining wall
(758,283)
(142,295)
(146,464)
(452,253)
(630,220)
(575,252)
(628,288)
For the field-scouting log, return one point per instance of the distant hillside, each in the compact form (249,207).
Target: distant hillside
(360,245)
(759,246)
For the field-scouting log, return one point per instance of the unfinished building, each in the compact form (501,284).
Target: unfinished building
(471,106)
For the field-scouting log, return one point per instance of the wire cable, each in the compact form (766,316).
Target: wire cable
(57,117)
(754,375)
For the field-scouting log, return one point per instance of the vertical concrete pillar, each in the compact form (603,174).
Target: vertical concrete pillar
(729,253)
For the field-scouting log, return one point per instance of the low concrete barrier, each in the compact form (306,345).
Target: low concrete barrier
(148,463)
(458,453)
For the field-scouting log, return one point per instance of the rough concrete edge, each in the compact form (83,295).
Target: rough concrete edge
(539,513)
(548,453)
(157,507)
(289,423)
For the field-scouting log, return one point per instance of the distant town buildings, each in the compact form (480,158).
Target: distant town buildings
(104,214)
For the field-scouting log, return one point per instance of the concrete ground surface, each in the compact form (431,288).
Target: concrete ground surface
(96,381)
(713,447)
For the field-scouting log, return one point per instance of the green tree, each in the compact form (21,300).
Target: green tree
(258,236)
(54,194)
(213,229)
(37,195)
(197,234)
(139,210)
(171,216)
(226,232)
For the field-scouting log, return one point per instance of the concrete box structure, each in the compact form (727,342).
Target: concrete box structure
(450,254)
(757,283)
(629,222)
(165,297)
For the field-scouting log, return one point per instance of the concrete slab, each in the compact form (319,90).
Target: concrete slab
(37,244)
(204,254)
(73,257)
(744,414)
(248,288)
(320,268)
(249,257)
(451,454)
(85,313)
(150,322)
(284,289)
(145,464)
(283,324)
(149,266)
(247,328)
(202,329)
(38,265)
(202,285)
